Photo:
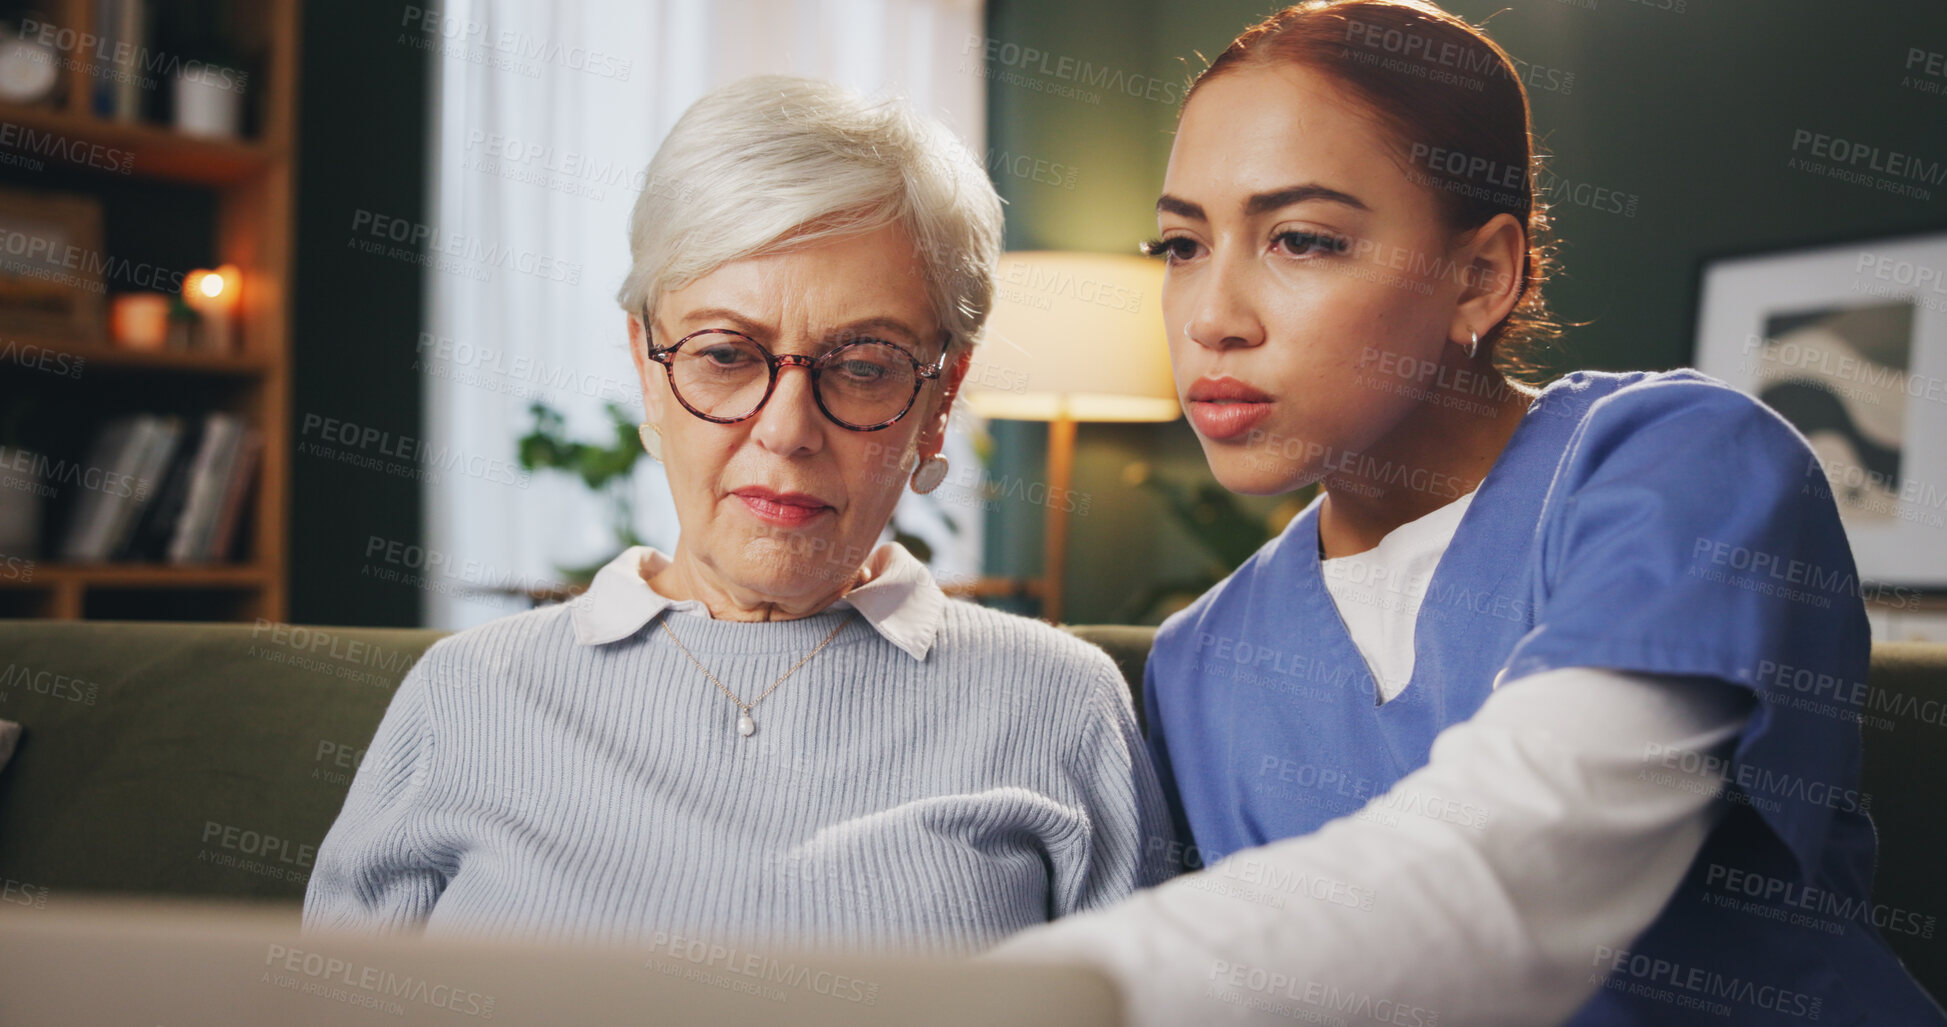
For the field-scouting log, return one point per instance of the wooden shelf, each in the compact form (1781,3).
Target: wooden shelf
(250,205)
(152,150)
(97,354)
(140,575)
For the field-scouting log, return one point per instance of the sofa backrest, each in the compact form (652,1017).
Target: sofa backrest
(200,759)
(186,759)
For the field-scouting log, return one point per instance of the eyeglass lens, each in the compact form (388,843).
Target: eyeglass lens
(859,383)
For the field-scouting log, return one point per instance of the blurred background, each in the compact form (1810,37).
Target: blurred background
(307,311)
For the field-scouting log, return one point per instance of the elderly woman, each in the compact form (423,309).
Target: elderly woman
(781,731)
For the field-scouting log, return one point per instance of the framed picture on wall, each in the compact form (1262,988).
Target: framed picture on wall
(51,265)
(1849,343)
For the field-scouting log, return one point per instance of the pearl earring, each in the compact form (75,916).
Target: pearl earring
(652,439)
(929,474)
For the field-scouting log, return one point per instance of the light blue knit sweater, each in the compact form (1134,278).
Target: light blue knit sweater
(524,785)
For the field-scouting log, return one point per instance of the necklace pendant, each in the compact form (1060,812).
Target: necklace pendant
(745,725)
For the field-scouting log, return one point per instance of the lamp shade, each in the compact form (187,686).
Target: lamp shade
(1076,336)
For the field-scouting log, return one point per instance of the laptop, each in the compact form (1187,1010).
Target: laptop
(172,963)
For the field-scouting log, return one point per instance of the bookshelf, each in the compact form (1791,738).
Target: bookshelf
(213,201)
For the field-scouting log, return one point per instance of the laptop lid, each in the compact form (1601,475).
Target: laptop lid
(102,961)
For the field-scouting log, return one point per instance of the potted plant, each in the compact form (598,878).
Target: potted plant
(607,468)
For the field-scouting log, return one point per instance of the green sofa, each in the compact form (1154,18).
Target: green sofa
(208,760)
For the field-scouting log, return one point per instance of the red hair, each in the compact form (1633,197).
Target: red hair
(1453,100)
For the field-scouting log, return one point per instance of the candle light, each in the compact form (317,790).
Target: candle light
(140,320)
(214,295)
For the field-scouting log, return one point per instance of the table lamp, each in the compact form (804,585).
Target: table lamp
(1072,337)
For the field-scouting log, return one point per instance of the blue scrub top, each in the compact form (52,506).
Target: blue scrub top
(1655,523)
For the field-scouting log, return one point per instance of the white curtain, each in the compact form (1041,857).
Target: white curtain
(544,116)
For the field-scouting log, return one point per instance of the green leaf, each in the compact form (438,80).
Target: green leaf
(914,545)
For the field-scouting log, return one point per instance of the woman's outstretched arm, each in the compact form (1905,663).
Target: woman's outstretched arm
(1495,885)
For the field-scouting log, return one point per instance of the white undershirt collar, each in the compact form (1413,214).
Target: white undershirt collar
(1378,592)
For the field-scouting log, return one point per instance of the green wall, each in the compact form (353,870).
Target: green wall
(1692,113)
(362,125)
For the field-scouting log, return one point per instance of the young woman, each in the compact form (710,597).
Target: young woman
(1505,727)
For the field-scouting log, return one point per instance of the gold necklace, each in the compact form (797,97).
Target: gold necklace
(746,726)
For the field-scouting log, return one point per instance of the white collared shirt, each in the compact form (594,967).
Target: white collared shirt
(899,599)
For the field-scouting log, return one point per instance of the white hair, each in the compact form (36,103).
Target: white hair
(772,161)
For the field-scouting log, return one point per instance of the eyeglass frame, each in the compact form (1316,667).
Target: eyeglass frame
(922,373)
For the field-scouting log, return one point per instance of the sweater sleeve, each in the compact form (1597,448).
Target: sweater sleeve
(371,874)
(1128,836)
(1565,848)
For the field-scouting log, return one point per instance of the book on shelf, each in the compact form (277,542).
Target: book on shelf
(86,513)
(166,488)
(122,59)
(155,441)
(115,483)
(150,539)
(215,466)
(220,476)
(132,24)
(236,490)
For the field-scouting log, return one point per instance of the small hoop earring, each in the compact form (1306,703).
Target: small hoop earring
(652,439)
(1474,345)
(929,474)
